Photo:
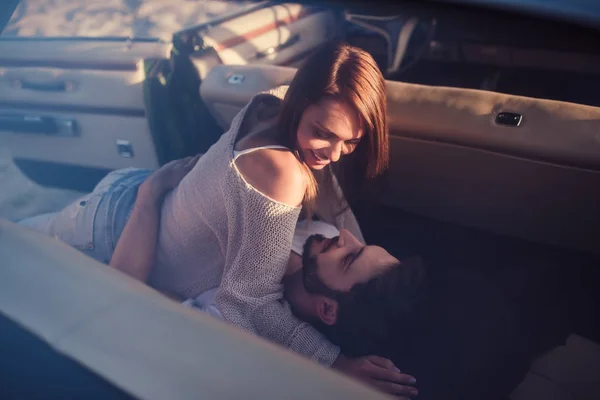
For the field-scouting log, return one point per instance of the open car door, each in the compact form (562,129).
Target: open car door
(72,107)
(265,33)
(268,32)
(76,104)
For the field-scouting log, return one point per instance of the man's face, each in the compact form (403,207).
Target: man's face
(335,264)
(343,261)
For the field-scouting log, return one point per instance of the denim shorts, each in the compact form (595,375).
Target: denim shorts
(94,222)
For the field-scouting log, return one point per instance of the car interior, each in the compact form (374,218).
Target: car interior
(82,330)
(494,123)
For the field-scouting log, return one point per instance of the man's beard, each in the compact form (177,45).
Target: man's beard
(316,238)
(309,263)
(312,239)
(312,283)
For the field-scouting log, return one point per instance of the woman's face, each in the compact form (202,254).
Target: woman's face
(328,130)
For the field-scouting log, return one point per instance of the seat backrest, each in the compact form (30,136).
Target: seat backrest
(451,160)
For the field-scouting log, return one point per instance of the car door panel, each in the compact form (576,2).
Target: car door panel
(116,90)
(92,144)
(79,53)
(276,34)
(273,35)
(450,159)
(560,132)
(92,90)
(97,86)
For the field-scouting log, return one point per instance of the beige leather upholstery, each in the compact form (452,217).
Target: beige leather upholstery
(451,161)
(562,132)
(226,99)
(141,341)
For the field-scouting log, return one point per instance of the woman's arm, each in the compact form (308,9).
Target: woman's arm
(135,251)
(250,294)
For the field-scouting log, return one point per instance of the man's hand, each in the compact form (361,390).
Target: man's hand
(166,178)
(378,372)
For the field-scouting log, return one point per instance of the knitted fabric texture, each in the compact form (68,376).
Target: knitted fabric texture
(216,230)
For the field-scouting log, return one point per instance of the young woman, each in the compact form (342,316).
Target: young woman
(229,223)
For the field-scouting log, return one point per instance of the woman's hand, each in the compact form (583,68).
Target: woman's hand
(166,178)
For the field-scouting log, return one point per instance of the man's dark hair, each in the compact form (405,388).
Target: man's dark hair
(452,331)
(369,312)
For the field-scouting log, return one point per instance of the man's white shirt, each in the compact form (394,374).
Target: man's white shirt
(205,301)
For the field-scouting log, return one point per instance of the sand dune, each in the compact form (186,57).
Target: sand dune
(20,197)
(95,18)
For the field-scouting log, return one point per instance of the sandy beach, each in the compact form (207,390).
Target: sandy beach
(20,197)
(96,18)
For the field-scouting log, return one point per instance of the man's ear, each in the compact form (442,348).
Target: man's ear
(327,310)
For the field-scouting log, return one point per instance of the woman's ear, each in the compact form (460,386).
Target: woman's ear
(327,310)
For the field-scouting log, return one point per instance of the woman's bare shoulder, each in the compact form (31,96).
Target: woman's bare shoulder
(276,173)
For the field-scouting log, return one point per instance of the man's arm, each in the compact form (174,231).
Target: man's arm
(250,293)
(136,249)
(332,207)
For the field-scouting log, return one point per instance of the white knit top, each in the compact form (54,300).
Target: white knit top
(217,230)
